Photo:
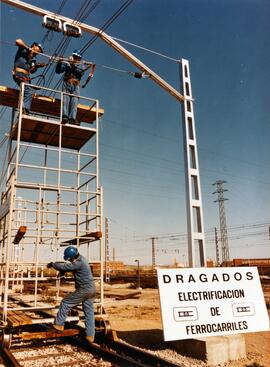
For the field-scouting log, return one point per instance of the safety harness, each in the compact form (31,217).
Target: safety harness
(27,79)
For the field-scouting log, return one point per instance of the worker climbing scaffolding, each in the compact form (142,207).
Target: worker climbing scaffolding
(84,293)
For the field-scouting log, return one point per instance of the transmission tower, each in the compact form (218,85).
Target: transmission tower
(153,253)
(107,252)
(217,248)
(222,220)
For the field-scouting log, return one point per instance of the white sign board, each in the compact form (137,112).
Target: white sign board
(199,302)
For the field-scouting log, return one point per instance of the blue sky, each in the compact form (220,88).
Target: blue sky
(142,166)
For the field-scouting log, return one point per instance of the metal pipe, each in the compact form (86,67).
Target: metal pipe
(64,170)
(31,145)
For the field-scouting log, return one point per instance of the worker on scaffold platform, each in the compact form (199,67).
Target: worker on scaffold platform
(73,71)
(85,291)
(25,64)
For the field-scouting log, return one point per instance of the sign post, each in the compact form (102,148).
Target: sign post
(200,302)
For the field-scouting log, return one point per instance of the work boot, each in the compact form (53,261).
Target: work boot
(58,328)
(64,120)
(90,339)
(25,111)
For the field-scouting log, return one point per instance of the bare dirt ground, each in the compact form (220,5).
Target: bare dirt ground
(138,321)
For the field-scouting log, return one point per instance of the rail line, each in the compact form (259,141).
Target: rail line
(147,358)
(69,343)
(76,351)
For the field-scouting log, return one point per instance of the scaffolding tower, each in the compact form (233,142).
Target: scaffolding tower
(51,198)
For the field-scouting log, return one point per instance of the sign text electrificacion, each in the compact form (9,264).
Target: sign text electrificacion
(203,302)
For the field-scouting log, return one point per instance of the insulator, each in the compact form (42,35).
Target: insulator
(137,75)
(51,23)
(71,30)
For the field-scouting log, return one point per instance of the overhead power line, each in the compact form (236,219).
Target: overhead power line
(106,25)
(148,50)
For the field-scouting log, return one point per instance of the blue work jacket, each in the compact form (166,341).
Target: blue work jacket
(80,269)
(23,61)
(71,70)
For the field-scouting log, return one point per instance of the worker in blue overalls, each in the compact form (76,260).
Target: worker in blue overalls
(73,71)
(84,293)
(25,64)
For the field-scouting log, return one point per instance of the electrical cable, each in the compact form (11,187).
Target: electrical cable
(54,58)
(82,12)
(63,44)
(47,68)
(107,24)
(48,32)
(3,170)
(147,50)
(3,141)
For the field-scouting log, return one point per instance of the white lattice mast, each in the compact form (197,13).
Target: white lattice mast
(195,224)
(222,220)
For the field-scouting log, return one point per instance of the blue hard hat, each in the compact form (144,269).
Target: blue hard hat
(70,252)
(39,45)
(77,53)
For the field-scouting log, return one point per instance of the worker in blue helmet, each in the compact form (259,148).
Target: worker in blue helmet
(84,293)
(73,70)
(25,63)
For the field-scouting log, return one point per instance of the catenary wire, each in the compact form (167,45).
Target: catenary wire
(147,50)
(107,24)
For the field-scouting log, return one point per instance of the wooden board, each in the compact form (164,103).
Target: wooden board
(89,237)
(18,318)
(122,294)
(41,131)
(48,105)
(20,234)
(47,334)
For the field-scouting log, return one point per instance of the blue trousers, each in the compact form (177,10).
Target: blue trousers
(27,97)
(84,296)
(70,103)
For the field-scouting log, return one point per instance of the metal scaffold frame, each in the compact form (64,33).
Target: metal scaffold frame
(52,198)
(195,224)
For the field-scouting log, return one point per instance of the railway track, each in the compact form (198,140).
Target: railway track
(76,352)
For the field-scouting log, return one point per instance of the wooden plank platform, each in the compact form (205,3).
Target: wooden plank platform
(46,334)
(41,131)
(18,318)
(89,237)
(48,105)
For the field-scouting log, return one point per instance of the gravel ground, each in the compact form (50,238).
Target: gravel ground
(57,355)
(138,322)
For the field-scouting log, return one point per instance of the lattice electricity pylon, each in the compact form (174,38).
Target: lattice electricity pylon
(222,220)
(107,252)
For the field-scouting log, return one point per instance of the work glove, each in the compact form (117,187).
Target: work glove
(62,274)
(41,64)
(50,265)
